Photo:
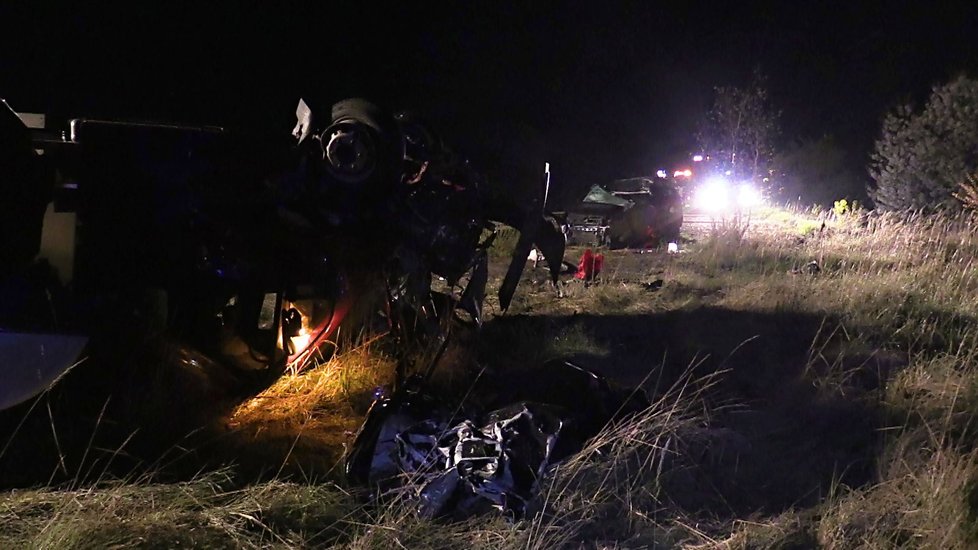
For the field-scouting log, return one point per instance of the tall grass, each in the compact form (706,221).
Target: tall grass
(901,286)
(203,513)
(898,349)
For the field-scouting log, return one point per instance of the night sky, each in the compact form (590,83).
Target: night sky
(598,89)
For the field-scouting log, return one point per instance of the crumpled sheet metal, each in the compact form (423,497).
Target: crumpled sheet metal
(472,468)
(32,363)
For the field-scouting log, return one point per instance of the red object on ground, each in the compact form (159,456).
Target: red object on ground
(590,266)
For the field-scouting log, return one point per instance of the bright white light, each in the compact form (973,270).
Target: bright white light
(673,248)
(748,196)
(661,173)
(717,181)
(712,196)
(697,158)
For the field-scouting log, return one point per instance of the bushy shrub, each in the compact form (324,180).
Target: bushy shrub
(921,157)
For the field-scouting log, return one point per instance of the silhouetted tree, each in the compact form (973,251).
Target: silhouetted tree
(922,157)
(739,131)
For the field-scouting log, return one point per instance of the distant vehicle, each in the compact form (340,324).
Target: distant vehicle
(712,190)
(628,213)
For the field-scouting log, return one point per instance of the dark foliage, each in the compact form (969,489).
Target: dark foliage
(739,130)
(816,171)
(922,157)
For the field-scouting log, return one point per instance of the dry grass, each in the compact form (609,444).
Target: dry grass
(200,513)
(791,410)
(302,424)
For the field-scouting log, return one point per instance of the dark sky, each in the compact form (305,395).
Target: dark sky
(599,89)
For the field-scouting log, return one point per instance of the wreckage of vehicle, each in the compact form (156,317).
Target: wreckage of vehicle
(628,213)
(245,249)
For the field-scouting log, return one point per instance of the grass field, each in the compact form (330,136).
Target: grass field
(793,407)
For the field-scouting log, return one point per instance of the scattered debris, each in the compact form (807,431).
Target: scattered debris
(472,468)
(590,266)
(458,466)
(411,447)
(654,285)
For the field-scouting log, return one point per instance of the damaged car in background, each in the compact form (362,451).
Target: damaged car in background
(627,213)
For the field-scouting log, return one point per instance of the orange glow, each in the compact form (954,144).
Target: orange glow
(316,329)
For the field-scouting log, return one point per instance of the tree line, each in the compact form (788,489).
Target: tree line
(924,158)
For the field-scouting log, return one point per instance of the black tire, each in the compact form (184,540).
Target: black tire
(379,135)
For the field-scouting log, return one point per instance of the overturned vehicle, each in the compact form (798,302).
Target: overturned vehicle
(249,249)
(628,213)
